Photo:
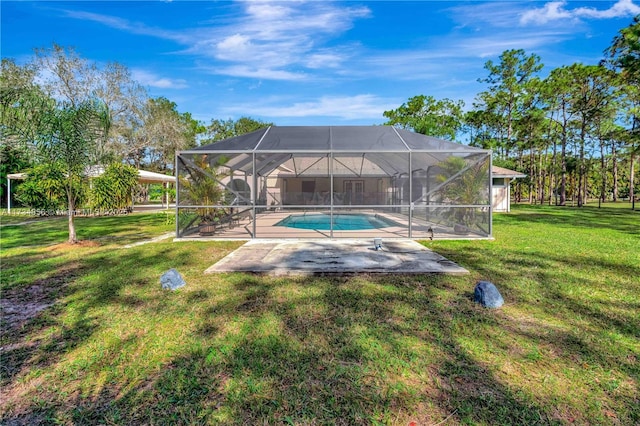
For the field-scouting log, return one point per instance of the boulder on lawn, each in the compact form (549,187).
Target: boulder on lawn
(487,294)
(172,280)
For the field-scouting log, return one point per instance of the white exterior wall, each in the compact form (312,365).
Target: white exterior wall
(501,196)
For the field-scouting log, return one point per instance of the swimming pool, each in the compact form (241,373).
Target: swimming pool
(341,222)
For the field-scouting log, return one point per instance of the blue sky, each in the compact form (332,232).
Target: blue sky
(312,62)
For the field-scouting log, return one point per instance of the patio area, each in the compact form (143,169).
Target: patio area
(266,225)
(334,257)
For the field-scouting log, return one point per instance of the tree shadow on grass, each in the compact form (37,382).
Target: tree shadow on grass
(319,350)
(55,230)
(66,308)
(338,357)
(593,327)
(32,310)
(39,233)
(540,270)
(460,384)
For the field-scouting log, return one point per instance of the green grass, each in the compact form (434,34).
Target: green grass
(113,348)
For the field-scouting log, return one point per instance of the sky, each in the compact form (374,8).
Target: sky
(312,62)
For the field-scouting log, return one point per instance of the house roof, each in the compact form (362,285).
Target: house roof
(501,172)
(145,176)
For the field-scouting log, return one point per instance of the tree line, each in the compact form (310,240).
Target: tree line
(575,133)
(143,131)
(62,116)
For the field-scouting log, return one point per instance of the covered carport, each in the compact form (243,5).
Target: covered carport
(144,177)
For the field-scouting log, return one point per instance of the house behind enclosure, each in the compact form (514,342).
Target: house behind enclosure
(253,185)
(501,188)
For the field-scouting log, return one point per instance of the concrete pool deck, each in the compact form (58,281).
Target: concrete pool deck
(338,257)
(266,227)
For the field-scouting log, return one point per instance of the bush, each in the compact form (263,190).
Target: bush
(44,188)
(113,189)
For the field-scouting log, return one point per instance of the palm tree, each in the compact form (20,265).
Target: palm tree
(203,188)
(464,184)
(63,134)
(67,135)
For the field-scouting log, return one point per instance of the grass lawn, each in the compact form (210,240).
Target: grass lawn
(89,337)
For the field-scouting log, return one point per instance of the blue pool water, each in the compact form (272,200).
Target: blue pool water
(341,222)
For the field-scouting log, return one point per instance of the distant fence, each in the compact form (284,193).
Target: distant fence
(62,212)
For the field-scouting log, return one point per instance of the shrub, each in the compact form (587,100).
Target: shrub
(113,189)
(44,188)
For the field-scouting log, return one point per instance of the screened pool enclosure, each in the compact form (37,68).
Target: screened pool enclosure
(334,181)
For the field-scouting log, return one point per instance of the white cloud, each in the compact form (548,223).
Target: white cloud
(458,54)
(269,18)
(234,46)
(266,11)
(623,8)
(489,28)
(365,106)
(234,42)
(269,39)
(126,25)
(150,79)
(497,14)
(325,59)
(556,10)
(550,12)
(281,36)
(492,45)
(256,72)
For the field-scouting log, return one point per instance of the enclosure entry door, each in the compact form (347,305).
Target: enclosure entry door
(354,191)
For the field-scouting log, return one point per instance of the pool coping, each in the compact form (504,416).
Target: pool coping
(388,222)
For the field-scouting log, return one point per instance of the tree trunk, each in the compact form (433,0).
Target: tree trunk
(631,186)
(572,184)
(563,176)
(614,171)
(532,174)
(563,160)
(71,207)
(552,172)
(603,171)
(632,191)
(541,174)
(519,184)
(581,168)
